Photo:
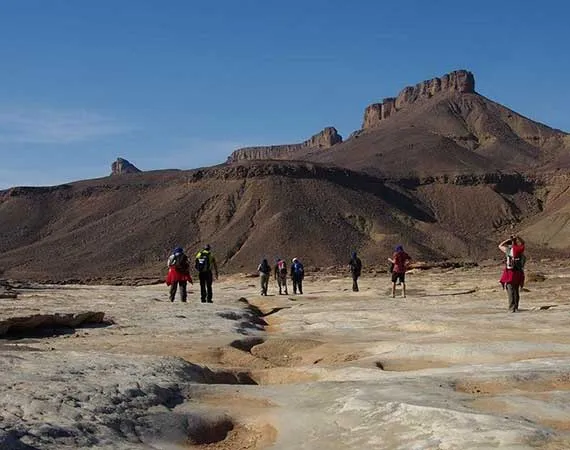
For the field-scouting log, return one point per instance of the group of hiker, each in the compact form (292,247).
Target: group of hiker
(179,273)
(279,270)
(205,264)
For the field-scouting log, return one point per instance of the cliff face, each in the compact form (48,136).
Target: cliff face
(325,139)
(121,166)
(460,81)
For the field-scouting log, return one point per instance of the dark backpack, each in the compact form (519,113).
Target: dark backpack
(298,269)
(356,266)
(203,262)
(264,267)
(181,263)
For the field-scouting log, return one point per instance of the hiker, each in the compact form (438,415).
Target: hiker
(513,274)
(264,273)
(297,275)
(400,259)
(205,262)
(355,266)
(280,272)
(178,274)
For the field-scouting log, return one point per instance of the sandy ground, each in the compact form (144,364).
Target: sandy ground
(445,368)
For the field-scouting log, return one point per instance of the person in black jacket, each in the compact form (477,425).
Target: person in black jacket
(355,265)
(264,273)
(297,275)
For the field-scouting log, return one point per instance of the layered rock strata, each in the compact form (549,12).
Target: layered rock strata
(460,81)
(325,139)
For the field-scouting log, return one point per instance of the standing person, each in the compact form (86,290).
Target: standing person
(513,274)
(400,259)
(355,266)
(178,274)
(264,273)
(205,262)
(297,275)
(280,272)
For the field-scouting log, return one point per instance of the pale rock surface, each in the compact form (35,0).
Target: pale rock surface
(445,368)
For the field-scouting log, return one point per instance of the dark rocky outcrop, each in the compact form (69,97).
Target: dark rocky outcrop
(28,324)
(6,290)
(121,166)
(325,139)
(460,81)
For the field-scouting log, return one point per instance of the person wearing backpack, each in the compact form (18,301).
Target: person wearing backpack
(178,274)
(512,277)
(264,272)
(280,272)
(297,275)
(355,266)
(205,262)
(400,259)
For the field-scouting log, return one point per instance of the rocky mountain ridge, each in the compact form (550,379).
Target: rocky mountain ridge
(459,81)
(447,175)
(326,138)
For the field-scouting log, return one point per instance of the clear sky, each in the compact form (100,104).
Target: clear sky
(181,83)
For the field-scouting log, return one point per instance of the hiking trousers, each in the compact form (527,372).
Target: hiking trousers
(183,290)
(264,281)
(355,282)
(206,293)
(297,285)
(282,283)
(513,291)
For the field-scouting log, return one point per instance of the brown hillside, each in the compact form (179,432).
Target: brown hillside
(125,226)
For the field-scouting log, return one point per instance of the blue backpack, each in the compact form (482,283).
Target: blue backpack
(298,269)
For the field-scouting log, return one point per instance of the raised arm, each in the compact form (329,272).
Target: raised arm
(503,246)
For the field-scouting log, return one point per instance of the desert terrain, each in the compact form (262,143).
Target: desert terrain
(439,168)
(121,367)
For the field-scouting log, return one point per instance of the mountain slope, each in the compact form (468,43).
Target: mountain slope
(125,226)
(439,168)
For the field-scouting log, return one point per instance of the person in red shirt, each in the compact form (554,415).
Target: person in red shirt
(400,259)
(512,277)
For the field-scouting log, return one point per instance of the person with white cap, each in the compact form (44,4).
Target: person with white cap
(297,275)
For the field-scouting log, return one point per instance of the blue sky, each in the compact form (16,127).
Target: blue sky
(181,83)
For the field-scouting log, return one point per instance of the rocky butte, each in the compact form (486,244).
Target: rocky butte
(327,138)
(459,81)
(122,166)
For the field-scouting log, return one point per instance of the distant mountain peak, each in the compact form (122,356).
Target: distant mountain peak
(459,81)
(121,166)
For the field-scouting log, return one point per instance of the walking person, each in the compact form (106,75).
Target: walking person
(512,277)
(264,273)
(400,259)
(297,275)
(280,272)
(178,274)
(205,262)
(355,266)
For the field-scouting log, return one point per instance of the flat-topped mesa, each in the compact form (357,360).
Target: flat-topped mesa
(461,81)
(121,166)
(325,139)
